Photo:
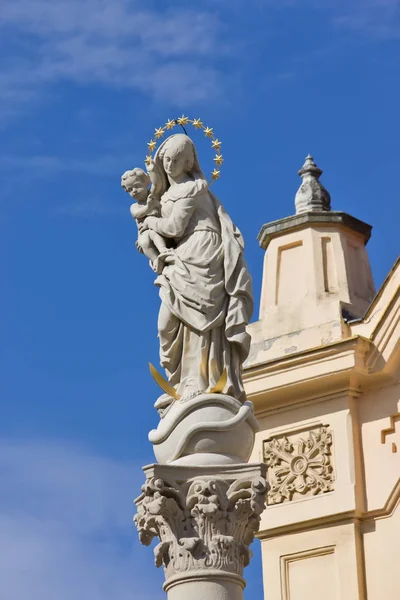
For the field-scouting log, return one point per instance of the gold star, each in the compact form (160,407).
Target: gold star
(215,174)
(208,131)
(170,124)
(151,145)
(218,159)
(216,144)
(159,132)
(197,123)
(148,160)
(183,120)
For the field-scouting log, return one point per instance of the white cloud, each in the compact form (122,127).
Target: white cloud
(371,18)
(167,53)
(65,527)
(42,165)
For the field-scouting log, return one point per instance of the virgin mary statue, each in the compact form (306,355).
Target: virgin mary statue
(205,287)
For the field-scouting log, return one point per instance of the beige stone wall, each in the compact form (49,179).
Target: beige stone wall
(312,565)
(381,460)
(342,543)
(327,396)
(382,551)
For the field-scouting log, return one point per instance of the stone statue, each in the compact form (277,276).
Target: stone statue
(205,289)
(201,500)
(206,299)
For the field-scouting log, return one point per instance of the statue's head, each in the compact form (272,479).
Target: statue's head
(136,182)
(178,155)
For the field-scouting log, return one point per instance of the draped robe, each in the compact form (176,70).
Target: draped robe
(206,297)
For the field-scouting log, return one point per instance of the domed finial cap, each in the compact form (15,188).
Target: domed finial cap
(311,195)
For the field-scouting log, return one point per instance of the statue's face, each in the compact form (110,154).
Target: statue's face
(175,162)
(135,186)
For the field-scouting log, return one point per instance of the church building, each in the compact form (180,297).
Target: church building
(324,377)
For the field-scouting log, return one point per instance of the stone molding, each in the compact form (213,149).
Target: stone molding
(299,464)
(290,379)
(287,560)
(307,219)
(350,516)
(204,517)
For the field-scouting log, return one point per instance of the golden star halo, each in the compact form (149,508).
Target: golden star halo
(183,120)
(216,144)
(197,124)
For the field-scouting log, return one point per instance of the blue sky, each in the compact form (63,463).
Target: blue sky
(83,84)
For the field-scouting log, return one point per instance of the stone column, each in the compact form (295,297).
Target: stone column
(205,519)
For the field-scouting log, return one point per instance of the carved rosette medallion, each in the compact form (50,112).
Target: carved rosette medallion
(204,522)
(299,464)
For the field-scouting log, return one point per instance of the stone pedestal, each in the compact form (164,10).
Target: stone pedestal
(205,519)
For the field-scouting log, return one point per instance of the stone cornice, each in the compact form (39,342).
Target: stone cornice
(340,518)
(325,218)
(303,375)
(343,517)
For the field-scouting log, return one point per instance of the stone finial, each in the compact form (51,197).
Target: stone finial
(311,195)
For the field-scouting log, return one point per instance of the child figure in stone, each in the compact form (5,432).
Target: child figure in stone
(151,243)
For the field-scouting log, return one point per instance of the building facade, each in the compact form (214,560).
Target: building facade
(324,377)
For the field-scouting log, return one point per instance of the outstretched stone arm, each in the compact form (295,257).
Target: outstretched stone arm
(175,225)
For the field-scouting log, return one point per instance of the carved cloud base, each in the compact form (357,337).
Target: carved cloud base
(205,519)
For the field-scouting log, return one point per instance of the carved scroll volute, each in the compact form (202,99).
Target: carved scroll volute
(210,526)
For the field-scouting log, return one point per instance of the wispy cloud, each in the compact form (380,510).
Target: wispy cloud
(166,53)
(370,18)
(65,526)
(49,168)
(43,165)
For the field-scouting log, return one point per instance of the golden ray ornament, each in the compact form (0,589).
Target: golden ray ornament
(163,383)
(171,391)
(221,383)
(197,124)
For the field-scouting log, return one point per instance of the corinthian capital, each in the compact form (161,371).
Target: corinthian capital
(205,517)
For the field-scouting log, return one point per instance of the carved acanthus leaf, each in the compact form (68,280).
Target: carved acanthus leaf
(204,523)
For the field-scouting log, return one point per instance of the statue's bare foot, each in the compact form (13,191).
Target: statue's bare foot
(190,392)
(165,257)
